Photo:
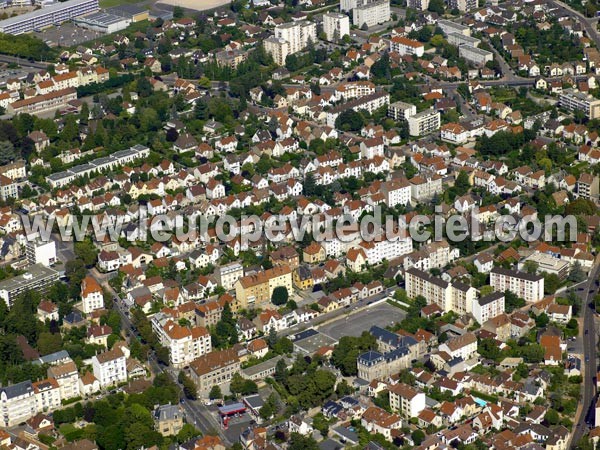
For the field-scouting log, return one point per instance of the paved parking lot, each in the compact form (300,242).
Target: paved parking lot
(382,315)
(66,35)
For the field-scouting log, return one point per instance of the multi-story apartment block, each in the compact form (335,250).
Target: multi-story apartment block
(431,256)
(370,103)
(526,286)
(371,14)
(37,277)
(92,296)
(405,46)
(580,101)
(110,367)
(8,188)
(290,38)
(587,186)
(15,170)
(424,122)
(406,399)
(462,5)
(354,89)
(396,192)
(475,55)
(255,291)
(484,308)
(40,252)
(419,5)
(214,369)
(228,274)
(184,343)
(448,296)
(47,394)
(401,110)
(336,26)
(67,377)
(434,289)
(17,403)
(425,187)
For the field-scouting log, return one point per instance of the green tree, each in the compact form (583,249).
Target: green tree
(7,152)
(436,6)
(189,387)
(349,120)
(86,252)
(551,417)
(300,442)
(280,296)
(215,393)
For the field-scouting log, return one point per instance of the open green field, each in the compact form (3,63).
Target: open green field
(111,3)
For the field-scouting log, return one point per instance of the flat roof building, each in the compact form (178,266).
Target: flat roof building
(52,15)
(37,277)
(103,22)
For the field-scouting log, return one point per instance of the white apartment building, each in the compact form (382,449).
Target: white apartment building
(407,400)
(47,394)
(40,252)
(369,103)
(278,48)
(354,89)
(580,101)
(388,249)
(524,285)
(110,367)
(17,403)
(291,37)
(424,122)
(92,296)
(475,55)
(401,110)
(456,296)
(396,192)
(419,5)
(67,377)
(462,5)
(464,346)
(434,289)
(185,344)
(487,307)
(405,46)
(229,274)
(336,26)
(430,256)
(371,14)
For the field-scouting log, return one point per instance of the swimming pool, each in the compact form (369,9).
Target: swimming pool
(480,402)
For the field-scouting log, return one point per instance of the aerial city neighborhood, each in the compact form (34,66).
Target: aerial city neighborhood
(119,119)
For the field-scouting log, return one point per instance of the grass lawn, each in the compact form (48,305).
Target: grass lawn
(111,3)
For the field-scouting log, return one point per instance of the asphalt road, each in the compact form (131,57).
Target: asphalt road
(587,292)
(196,413)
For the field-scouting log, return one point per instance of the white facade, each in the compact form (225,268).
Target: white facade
(404,46)
(424,122)
(17,403)
(487,307)
(110,367)
(336,26)
(371,14)
(39,252)
(290,38)
(526,286)
(92,296)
